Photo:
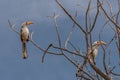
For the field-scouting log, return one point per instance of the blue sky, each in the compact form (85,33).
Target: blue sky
(12,66)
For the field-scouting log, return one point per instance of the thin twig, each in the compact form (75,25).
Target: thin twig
(45,52)
(86,16)
(99,71)
(96,16)
(110,6)
(73,19)
(59,39)
(69,36)
(56,26)
(116,25)
(13,27)
(86,22)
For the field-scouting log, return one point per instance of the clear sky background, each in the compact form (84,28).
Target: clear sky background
(12,66)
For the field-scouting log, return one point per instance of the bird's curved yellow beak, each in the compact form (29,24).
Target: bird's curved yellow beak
(101,43)
(29,22)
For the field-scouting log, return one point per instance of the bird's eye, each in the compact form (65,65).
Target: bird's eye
(97,42)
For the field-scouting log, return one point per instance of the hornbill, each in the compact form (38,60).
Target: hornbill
(91,55)
(24,35)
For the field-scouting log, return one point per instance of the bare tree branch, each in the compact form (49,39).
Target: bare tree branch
(73,19)
(13,27)
(68,38)
(96,16)
(45,52)
(117,26)
(99,71)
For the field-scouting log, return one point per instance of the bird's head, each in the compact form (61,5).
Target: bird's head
(98,43)
(27,23)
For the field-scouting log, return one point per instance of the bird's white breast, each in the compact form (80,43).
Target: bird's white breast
(24,34)
(95,52)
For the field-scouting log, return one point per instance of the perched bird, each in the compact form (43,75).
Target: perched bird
(92,53)
(24,35)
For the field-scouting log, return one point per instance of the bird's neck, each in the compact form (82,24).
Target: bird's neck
(95,47)
(24,26)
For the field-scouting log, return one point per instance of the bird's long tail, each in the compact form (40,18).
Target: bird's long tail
(24,50)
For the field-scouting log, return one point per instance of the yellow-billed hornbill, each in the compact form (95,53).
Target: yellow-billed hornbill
(24,35)
(91,55)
